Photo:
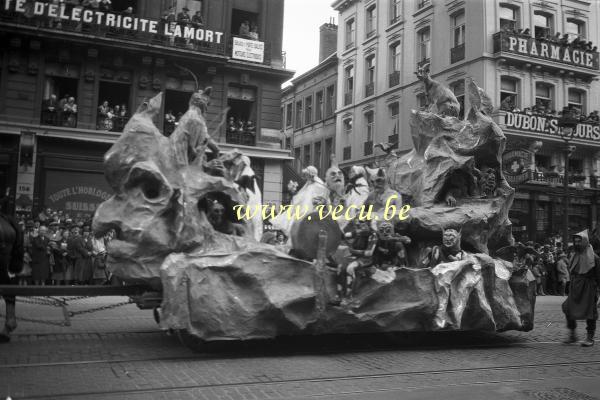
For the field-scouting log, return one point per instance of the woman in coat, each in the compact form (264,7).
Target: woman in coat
(40,262)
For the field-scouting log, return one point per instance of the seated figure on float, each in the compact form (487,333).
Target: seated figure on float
(449,251)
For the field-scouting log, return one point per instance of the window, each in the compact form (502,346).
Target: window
(422,101)
(395,64)
(241,101)
(307,155)
(575,28)
(369,128)
(394,110)
(371,20)
(60,90)
(298,123)
(577,99)
(424,50)
(370,76)
(543,95)
(176,104)
(297,158)
(318,156)
(458,21)
(396,10)
(243,23)
(328,152)
(348,84)
(508,94)
(508,18)
(350,32)
(348,126)
(308,110)
(330,103)
(347,152)
(319,106)
(542,23)
(459,91)
(288,115)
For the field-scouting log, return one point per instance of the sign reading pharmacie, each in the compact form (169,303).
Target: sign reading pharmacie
(248,50)
(549,126)
(543,49)
(111,19)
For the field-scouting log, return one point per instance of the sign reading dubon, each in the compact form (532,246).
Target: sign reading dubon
(541,48)
(115,20)
(248,50)
(549,126)
(517,166)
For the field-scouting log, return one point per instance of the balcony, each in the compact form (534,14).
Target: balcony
(394,78)
(347,98)
(548,55)
(457,53)
(55,118)
(369,89)
(553,179)
(241,138)
(368,148)
(153,32)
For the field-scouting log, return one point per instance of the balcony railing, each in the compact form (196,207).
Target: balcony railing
(55,118)
(545,49)
(578,180)
(368,148)
(369,89)
(394,78)
(457,53)
(241,138)
(45,23)
(347,98)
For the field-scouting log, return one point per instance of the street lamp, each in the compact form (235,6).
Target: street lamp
(567,124)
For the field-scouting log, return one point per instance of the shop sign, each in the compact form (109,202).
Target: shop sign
(549,126)
(248,50)
(546,50)
(517,166)
(59,11)
(75,193)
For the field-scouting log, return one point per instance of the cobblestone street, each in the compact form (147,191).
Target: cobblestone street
(121,354)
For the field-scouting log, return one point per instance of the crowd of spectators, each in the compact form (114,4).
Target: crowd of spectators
(62,250)
(241,126)
(248,30)
(558,38)
(61,112)
(112,118)
(171,18)
(546,111)
(548,264)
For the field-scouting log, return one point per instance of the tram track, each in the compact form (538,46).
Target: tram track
(324,379)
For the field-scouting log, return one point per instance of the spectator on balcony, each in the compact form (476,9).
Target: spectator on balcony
(170,118)
(49,107)
(70,113)
(594,117)
(527,111)
(105,5)
(184,17)
(507,104)
(250,128)
(105,115)
(128,11)
(564,40)
(123,112)
(231,126)
(253,32)
(197,19)
(241,126)
(244,29)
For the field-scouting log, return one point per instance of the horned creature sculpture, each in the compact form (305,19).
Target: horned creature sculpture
(441,100)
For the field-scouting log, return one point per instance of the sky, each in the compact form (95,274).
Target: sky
(301,24)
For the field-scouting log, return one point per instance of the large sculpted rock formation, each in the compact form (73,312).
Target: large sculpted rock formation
(176,231)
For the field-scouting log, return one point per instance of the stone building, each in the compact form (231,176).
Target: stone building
(51,156)
(516,51)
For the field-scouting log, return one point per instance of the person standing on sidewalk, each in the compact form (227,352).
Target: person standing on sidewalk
(562,273)
(584,268)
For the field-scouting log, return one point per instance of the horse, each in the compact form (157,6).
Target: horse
(11,263)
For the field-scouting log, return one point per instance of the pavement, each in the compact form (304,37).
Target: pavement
(120,353)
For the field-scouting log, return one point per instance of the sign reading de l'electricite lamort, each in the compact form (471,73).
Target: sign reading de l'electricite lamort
(546,50)
(59,11)
(549,126)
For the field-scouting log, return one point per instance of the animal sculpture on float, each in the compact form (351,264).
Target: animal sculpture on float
(218,285)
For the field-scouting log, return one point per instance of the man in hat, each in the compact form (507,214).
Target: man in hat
(184,17)
(562,273)
(584,269)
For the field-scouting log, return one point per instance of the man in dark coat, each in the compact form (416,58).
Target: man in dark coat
(11,263)
(584,269)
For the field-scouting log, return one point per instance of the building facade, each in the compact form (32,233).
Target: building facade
(52,147)
(516,50)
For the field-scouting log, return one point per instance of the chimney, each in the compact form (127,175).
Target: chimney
(328,39)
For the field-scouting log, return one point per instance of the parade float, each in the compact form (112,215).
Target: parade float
(433,269)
